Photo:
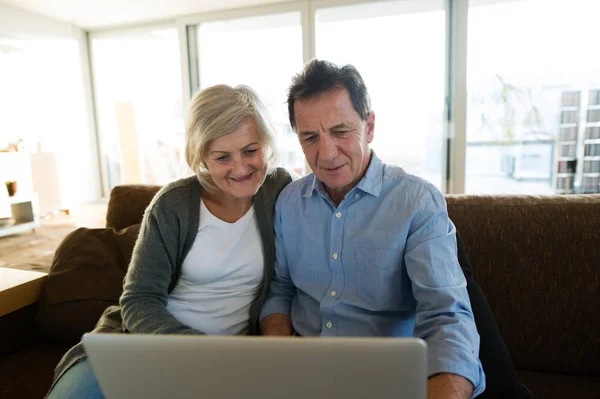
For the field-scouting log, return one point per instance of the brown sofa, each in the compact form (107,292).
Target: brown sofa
(536,258)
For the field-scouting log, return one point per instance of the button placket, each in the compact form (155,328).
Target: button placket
(337,275)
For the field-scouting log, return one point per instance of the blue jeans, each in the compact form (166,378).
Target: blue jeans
(77,382)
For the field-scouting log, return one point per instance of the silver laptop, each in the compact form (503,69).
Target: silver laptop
(176,366)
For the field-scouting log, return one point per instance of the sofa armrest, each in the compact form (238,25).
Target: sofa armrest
(20,291)
(17,329)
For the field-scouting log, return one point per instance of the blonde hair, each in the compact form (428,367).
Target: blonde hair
(217,111)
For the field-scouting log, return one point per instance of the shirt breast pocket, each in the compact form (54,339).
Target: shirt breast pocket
(379,278)
(305,256)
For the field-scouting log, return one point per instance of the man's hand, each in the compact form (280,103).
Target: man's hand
(449,386)
(277,325)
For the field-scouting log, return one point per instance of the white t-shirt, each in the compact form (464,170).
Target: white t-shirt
(220,276)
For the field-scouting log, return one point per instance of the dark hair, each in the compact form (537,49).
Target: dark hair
(319,76)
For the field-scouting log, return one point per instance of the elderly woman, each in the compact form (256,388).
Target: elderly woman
(204,257)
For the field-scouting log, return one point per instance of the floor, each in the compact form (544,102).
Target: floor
(34,250)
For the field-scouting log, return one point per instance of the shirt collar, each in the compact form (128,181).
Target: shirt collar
(370,183)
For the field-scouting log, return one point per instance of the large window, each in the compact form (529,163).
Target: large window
(533,68)
(137,79)
(41,106)
(519,80)
(43,109)
(399,49)
(261,52)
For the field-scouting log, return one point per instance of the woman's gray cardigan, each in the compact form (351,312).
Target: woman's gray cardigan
(168,230)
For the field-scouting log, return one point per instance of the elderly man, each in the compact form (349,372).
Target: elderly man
(364,248)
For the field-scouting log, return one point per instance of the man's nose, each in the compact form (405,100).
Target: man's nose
(327,147)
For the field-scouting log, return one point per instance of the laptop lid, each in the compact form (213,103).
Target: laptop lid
(178,366)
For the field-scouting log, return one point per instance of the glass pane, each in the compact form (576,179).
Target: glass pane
(399,49)
(532,97)
(261,52)
(137,79)
(43,113)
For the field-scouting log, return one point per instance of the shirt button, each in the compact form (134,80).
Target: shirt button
(335,255)
(356,195)
(333,293)
(338,215)
(329,324)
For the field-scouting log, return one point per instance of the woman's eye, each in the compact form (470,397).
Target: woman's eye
(222,159)
(251,152)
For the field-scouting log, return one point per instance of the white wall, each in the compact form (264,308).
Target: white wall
(72,122)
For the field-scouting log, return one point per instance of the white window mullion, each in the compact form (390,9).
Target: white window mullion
(186,52)
(457,128)
(308,31)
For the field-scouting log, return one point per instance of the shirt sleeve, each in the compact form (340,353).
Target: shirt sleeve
(444,318)
(282,289)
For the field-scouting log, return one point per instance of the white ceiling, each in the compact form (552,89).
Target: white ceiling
(104,14)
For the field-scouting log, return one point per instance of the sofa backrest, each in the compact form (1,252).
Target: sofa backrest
(127,204)
(537,259)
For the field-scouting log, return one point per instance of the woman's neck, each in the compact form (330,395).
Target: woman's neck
(228,210)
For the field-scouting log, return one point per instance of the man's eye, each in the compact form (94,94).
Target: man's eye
(341,132)
(309,139)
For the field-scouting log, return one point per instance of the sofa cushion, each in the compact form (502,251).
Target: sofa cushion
(500,375)
(537,260)
(85,278)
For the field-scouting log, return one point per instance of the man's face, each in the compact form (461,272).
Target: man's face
(335,140)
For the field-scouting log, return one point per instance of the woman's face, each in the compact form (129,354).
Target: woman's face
(237,162)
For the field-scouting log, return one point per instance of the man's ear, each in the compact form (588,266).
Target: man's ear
(370,126)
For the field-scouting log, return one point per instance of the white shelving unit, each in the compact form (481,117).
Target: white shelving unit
(24,209)
(578,143)
(24,216)
(567,143)
(590,174)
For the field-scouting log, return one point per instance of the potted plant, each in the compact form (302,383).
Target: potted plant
(11,186)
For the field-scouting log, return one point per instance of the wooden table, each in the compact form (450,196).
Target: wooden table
(19,288)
